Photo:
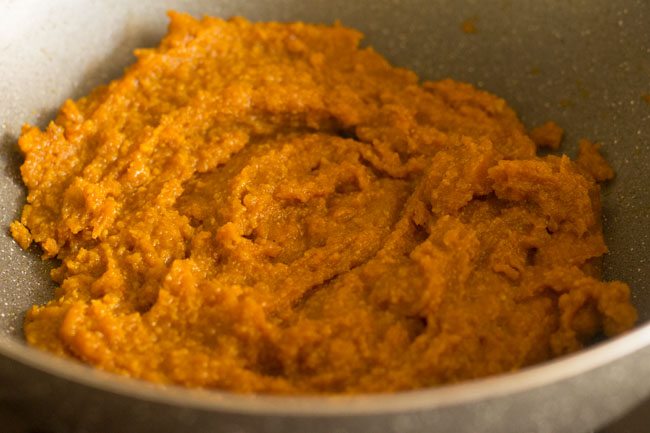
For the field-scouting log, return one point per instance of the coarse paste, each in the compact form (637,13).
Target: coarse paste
(270,208)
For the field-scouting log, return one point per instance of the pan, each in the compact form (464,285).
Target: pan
(584,64)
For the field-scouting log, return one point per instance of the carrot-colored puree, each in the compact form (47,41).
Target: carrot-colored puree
(270,208)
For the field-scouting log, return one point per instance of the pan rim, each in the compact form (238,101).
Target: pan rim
(446,396)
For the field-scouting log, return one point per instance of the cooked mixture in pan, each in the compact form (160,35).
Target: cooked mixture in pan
(270,208)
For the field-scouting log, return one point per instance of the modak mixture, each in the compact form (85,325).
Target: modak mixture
(266,207)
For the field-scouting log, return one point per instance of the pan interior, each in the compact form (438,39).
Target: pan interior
(584,65)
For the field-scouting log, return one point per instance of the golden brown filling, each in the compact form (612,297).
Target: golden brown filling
(270,208)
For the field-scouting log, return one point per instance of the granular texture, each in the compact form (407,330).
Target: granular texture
(270,208)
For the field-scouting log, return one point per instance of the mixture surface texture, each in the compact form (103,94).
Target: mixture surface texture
(270,208)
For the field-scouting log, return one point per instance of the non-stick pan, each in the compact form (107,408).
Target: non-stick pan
(584,64)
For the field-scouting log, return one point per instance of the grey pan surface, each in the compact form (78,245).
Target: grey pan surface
(585,64)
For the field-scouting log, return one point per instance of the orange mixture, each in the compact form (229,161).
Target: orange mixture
(270,208)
